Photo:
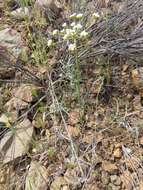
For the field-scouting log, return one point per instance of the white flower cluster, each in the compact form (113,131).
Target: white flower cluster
(96,16)
(71,32)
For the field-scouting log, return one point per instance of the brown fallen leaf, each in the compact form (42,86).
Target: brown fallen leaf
(75,116)
(16,142)
(137,103)
(88,138)
(109,167)
(73,131)
(137,79)
(103,3)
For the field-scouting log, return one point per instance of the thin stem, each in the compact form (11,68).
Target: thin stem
(77,76)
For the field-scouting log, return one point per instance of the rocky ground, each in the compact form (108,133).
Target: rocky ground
(49,140)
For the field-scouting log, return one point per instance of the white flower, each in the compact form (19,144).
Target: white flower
(69,33)
(55,32)
(62,31)
(83,34)
(96,15)
(72,47)
(34,150)
(73,24)
(72,16)
(66,37)
(50,43)
(77,27)
(64,25)
(79,16)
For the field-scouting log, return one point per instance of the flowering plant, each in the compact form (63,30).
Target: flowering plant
(73,35)
(70,33)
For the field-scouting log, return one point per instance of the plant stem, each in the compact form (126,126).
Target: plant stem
(77,76)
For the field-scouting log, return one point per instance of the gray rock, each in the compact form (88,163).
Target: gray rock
(20,13)
(114,187)
(16,142)
(37,177)
(11,40)
(115,180)
(105,178)
(51,8)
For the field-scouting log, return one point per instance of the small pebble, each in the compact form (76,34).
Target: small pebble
(115,180)
(114,187)
(117,153)
(2,180)
(105,178)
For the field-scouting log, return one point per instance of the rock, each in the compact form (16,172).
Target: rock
(37,177)
(115,180)
(71,177)
(103,3)
(117,145)
(22,96)
(15,103)
(2,180)
(92,186)
(117,153)
(54,5)
(8,119)
(113,187)
(16,142)
(58,183)
(20,13)
(109,167)
(65,187)
(117,6)
(11,39)
(141,141)
(50,7)
(105,178)
(141,185)
(4,120)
